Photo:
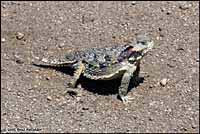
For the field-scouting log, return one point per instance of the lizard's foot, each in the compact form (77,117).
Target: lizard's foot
(126,99)
(72,84)
(79,69)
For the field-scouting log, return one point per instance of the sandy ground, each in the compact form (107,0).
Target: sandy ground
(38,100)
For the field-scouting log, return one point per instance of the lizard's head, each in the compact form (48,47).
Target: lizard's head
(136,52)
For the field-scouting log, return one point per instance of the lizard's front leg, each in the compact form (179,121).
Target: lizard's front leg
(136,78)
(123,89)
(79,68)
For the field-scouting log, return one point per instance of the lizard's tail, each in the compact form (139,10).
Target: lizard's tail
(54,65)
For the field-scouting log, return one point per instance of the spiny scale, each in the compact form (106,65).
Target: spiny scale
(55,65)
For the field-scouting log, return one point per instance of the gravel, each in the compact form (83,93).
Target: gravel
(163,82)
(19,36)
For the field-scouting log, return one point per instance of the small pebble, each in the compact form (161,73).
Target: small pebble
(128,130)
(28,71)
(194,126)
(183,129)
(135,117)
(47,78)
(161,35)
(3,40)
(45,48)
(170,65)
(32,118)
(159,29)
(72,93)
(85,108)
(61,45)
(4,6)
(19,61)
(20,36)
(180,49)
(168,12)
(37,71)
(31,88)
(9,89)
(151,86)
(78,99)
(133,2)
(37,57)
(79,86)
(150,119)
(35,86)
(49,98)
(152,103)
(163,9)
(163,82)
(44,60)
(185,6)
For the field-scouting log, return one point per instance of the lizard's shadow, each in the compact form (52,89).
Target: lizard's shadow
(101,87)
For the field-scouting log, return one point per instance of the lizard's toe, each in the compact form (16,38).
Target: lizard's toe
(126,99)
(72,84)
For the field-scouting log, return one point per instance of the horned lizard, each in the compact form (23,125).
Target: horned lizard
(107,63)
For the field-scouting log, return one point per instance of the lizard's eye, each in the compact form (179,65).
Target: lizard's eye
(142,42)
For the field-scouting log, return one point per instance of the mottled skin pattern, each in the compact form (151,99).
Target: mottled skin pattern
(107,63)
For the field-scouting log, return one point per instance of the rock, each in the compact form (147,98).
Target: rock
(180,49)
(150,119)
(163,82)
(36,57)
(3,5)
(79,86)
(185,6)
(48,78)
(19,61)
(28,71)
(44,60)
(171,65)
(133,2)
(72,93)
(61,45)
(183,129)
(194,126)
(49,98)
(168,13)
(85,108)
(135,117)
(9,89)
(45,48)
(19,36)
(151,86)
(3,40)
(37,70)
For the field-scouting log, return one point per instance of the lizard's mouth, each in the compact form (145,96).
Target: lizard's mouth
(143,47)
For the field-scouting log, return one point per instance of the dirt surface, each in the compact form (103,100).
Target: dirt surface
(38,100)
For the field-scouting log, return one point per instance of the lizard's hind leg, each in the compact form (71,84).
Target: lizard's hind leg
(79,68)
